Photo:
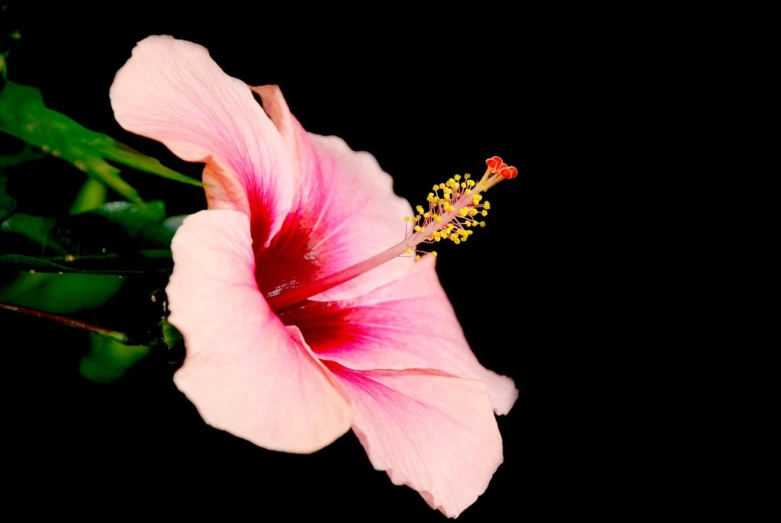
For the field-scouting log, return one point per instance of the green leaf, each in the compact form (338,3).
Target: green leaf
(171,335)
(120,233)
(91,196)
(117,238)
(35,228)
(143,221)
(174,341)
(121,153)
(23,114)
(108,360)
(132,216)
(174,222)
(61,293)
(7,204)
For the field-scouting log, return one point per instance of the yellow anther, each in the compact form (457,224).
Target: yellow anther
(450,226)
(407,218)
(471,233)
(408,251)
(441,185)
(457,177)
(476,198)
(418,228)
(456,240)
(468,224)
(436,187)
(463,212)
(468,191)
(482,224)
(472,212)
(419,208)
(467,176)
(426,214)
(487,205)
(417,256)
(484,213)
(463,185)
(470,183)
(438,218)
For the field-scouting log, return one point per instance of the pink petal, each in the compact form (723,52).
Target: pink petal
(245,372)
(430,431)
(344,211)
(173,92)
(406,324)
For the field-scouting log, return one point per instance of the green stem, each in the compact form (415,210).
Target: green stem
(62,320)
(145,253)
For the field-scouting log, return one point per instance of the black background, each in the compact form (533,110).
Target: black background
(429,96)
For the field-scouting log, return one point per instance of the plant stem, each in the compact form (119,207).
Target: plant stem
(62,320)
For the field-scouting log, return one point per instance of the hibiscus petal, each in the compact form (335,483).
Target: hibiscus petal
(433,432)
(173,92)
(245,372)
(344,211)
(406,324)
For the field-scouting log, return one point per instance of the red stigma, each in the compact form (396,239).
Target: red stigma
(494,163)
(508,172)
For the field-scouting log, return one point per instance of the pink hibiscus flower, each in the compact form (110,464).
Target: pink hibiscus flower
(296,329)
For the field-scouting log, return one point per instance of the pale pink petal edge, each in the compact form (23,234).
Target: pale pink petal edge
(244,371)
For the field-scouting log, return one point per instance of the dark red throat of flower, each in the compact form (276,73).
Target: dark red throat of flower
(451,216)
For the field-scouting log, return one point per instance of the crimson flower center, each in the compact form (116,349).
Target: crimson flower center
(453,208)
